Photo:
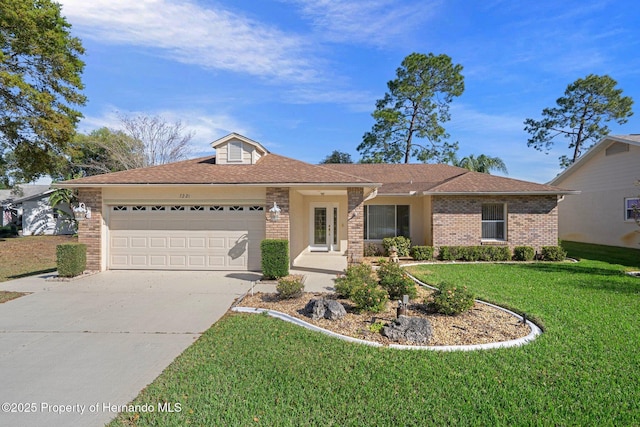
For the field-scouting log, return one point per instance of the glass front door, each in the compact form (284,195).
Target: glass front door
(324,233)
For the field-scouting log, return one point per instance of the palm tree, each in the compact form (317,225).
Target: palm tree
(482,163)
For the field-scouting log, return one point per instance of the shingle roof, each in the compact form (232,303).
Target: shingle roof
(273,169)
(440,179)
(270,169)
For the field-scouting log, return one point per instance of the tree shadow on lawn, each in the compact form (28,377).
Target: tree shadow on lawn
(32,273)
(595,278)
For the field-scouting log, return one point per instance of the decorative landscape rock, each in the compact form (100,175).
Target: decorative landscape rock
(413,329)
(327,308)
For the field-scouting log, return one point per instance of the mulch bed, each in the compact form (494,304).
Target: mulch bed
(480,325)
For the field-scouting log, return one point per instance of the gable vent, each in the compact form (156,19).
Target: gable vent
(616,148)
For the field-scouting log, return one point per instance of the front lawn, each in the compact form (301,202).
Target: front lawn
(26,256)
(584,370)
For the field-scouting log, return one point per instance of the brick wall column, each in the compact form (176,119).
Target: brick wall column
(280,229)
(90,229)
(355,224)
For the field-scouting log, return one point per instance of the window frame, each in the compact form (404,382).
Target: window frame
(397,228)
(503,221)
(239,145)
(626,209)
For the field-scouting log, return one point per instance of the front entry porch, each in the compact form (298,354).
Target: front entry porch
(321,262)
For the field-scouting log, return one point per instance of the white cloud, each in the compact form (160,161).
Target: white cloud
(373,22)
(184,31)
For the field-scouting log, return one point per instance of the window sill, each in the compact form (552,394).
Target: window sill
(493,242)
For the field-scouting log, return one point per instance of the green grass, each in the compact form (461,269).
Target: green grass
(584,370)
(610,254)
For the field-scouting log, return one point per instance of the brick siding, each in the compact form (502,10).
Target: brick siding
(280,229)
(355,230)
(90,229)
(531,220)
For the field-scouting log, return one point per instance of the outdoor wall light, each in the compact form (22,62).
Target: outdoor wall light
(274,212)
(81,212)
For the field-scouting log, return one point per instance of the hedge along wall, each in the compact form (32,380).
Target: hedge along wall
(275,258)
(71,259)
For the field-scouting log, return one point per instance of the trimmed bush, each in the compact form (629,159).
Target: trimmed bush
(9,231)
(354,276)
(401,243)
(495,253)
(523,253)
(422,253)
(289,287)
(474,253)
(275,258)
(71,259)
(372,250)
(370,298)
(395,281)
(553,253)
(451,299)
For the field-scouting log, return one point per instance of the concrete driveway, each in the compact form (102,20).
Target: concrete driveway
(72,352)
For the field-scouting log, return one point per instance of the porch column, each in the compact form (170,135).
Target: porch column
(355,224)
(280,229)
(90,229)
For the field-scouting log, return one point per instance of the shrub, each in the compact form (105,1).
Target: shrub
(452,299)
(9,231)
(474,253)
(368,297)
(371,250)
(71,259)
(553,253)
(449,253)
(395,281)
(422,253)
(377,326)
(401,243)
(354,276)
(275,258)
(523,253)
(495,253)
(289,287)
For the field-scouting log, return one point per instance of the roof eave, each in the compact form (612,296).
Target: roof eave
(500,193)
(215,184)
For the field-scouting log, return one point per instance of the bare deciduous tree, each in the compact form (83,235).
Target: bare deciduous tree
(161,142)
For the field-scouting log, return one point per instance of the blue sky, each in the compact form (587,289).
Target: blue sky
(302,76)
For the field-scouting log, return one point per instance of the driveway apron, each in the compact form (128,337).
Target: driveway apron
(74,353)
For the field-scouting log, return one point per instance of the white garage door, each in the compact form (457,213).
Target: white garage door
(185,237)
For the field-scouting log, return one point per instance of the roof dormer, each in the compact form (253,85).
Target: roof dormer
(235,149)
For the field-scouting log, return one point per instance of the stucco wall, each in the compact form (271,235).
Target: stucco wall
(596,215)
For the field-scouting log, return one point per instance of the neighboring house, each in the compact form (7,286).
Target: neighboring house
(39,217)
(10,200)
(606,176)
(212,213)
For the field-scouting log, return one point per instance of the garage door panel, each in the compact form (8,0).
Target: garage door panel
(197,261)
(198,240)
(157,260)
(177,260)
(177,242)
(138,242)
(158,242)
(138,260)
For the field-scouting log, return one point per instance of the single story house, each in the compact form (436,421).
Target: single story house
(606,177)
(211,213)
(28,207)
